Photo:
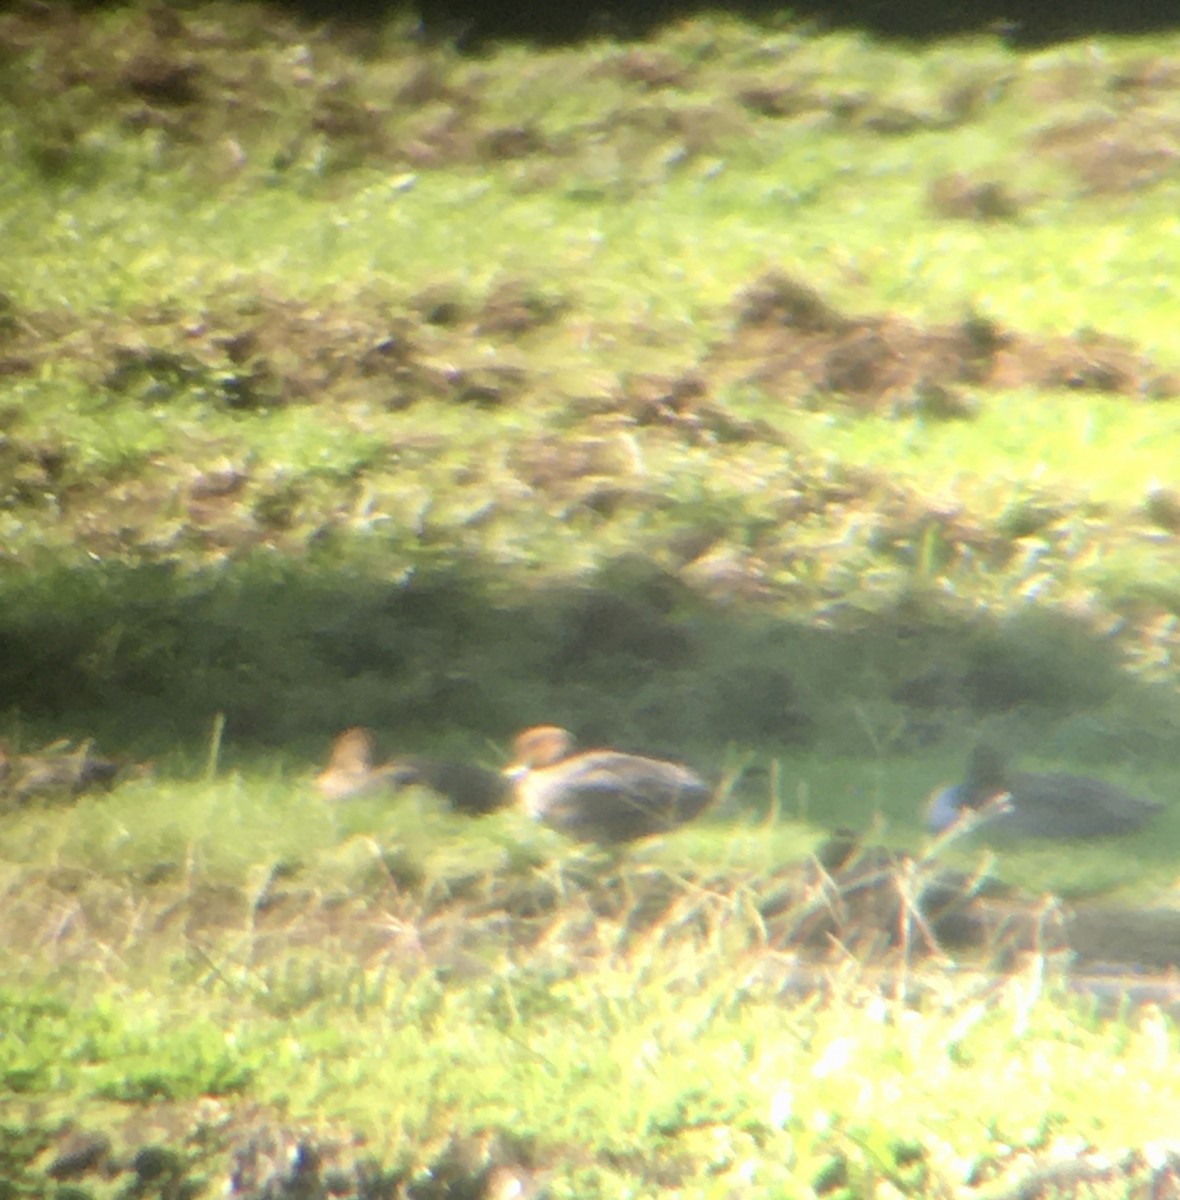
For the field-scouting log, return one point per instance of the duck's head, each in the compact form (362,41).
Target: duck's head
(351,760)
(987,773)
(352,750)
(540,746)
(987,789)
(986,781)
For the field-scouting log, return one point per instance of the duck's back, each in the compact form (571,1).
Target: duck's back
(607,796)
(468,788)
(1057,805)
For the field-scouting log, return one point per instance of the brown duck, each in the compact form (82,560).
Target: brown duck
(59,771)
(601,795)
(351,772)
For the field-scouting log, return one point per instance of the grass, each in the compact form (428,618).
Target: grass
(793,404)
(724,1084)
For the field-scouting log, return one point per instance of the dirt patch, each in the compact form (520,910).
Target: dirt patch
(263,352)
(32,471)
(649,68)
(683,132)
(1122,135)
(558,465)
(681,404)
(258,89)
(966,198)
(268,353)
(791,343)
(1147,78)
(866,109)
(781,100)
(1115,153)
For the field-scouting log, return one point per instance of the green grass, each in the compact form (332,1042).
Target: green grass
(687,1065)
(350,379)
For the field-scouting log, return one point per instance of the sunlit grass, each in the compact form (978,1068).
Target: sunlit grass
(1104,451)
(686,1060)
(694,242)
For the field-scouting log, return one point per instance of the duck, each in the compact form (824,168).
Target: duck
(602,796)
(1024,804)
(60,770)
(351,771)
(467,788)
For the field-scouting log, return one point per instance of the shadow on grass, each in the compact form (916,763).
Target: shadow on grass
(145,656)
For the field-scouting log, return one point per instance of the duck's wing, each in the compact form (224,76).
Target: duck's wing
(466,787)
(472,789)
(608,796)
(647,783)
(95,771)
(1059,805)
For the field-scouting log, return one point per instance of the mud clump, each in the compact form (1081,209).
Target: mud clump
(961,197)
(790,342)
(261,352)
(1115,154)
(515,306)
(266,94)
(781,300)
(649,69)
(680,404)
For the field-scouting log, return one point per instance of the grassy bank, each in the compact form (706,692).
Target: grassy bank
(795,405)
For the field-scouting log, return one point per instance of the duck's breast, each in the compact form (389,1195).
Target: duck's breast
(945,808)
